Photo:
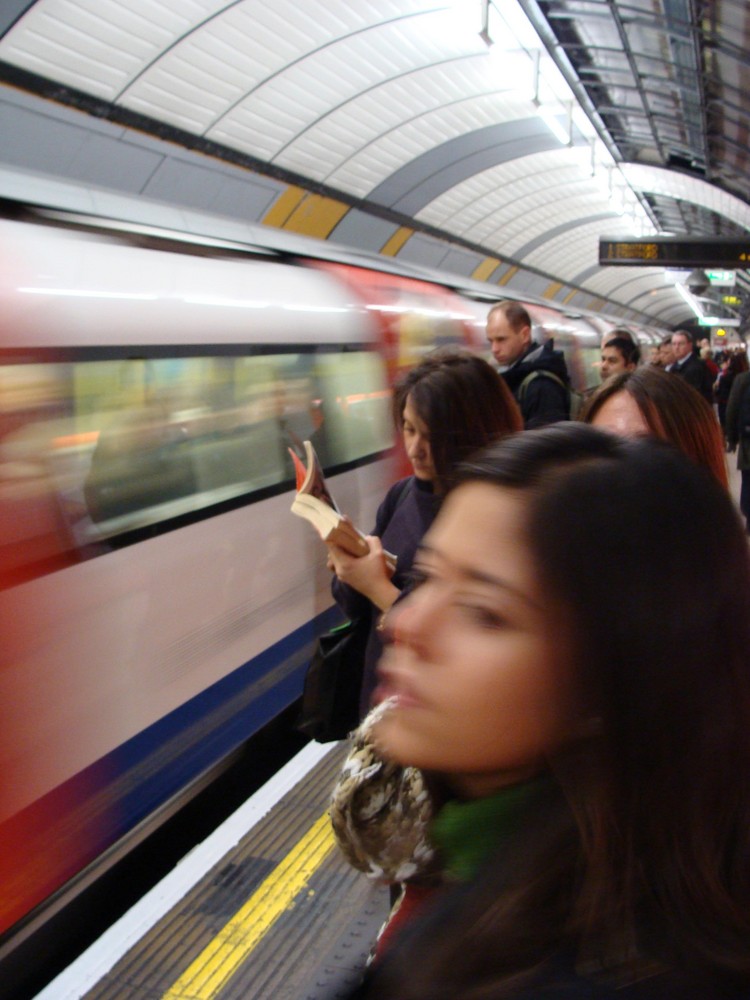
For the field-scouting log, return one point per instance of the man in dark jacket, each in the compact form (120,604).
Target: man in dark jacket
(690,367)
(738,411)
(536,375)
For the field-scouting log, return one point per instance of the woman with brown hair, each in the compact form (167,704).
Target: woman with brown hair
(653,402)
(448,406)
(588,762)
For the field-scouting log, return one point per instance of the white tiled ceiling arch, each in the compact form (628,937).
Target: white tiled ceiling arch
(397,101)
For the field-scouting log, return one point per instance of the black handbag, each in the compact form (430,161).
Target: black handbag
(330,696)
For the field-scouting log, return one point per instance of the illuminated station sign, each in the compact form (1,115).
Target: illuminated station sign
(717,321)
(676,251)
(721,278)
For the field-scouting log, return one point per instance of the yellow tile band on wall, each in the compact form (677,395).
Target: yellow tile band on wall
(316,216)
(485,269)
(552,289)
(569,296)
(392,246)
(283,207)
(219,961)
(510,273)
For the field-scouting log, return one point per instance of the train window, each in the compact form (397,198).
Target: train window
(93,450)
(580,348)
(354,407)
(592,358)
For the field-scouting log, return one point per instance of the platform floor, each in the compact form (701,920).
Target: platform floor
(268,911)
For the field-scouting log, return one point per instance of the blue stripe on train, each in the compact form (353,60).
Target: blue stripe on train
(201,732)
(90,812)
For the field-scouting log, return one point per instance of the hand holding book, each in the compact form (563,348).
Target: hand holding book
(313,502)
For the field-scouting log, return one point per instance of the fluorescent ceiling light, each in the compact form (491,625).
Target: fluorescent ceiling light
(512,70)
(690,300)
(555,126)
(90,293)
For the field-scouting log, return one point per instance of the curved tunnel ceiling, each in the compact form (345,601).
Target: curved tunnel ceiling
(580,120)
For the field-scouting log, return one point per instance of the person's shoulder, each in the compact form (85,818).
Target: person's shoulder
(549,373)
(551,360)
(696,363)
(397,492)
(692,370)
(738,384)
(400,487)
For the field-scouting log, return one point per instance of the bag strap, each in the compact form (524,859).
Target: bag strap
(541,372)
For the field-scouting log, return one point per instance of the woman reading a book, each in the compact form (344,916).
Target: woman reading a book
(586,762)
(447,407)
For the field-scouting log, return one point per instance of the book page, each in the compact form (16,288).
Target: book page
(311,479)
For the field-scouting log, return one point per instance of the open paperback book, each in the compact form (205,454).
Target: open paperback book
(313,502)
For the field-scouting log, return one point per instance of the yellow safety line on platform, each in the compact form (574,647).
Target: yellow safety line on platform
(230,947)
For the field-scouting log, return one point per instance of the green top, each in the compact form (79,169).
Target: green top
(467,832)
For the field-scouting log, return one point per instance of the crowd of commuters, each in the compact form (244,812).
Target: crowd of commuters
(552,770)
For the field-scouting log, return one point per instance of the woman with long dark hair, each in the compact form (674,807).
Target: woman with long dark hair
(446,407)
(581,714)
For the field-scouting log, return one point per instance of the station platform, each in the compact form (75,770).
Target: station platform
(265,908)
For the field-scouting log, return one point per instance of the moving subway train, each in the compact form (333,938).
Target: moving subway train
(158,600)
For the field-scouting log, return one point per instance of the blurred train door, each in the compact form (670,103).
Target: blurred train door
(412,317)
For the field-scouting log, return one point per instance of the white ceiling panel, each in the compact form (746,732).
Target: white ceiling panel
(402,102)
(488,201)
(531,215)
(300,100)
(374,143)
(100,45)
(609,279)
(575,247)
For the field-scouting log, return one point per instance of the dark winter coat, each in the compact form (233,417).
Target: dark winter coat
(561,976)
(408,510)
(545,398)
(732,430)
(695,373)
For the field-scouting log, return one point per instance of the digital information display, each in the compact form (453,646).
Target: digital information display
(676,251)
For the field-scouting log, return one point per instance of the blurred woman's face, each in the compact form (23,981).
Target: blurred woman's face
(621,415)
(416,436)
(478,675)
